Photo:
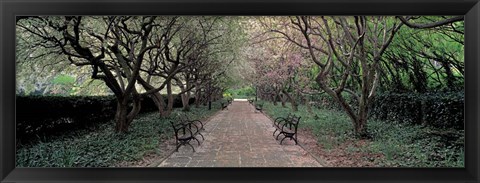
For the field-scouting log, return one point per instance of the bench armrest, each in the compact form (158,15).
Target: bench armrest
(291,124)
(197,123)
(278,120)
(288,124)
(281,122)
(185,129)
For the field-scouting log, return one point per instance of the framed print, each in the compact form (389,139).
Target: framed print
(241,91)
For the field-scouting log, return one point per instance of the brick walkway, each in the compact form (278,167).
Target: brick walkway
(240,137)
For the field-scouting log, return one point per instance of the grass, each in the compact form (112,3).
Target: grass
(103,147)
(402,145)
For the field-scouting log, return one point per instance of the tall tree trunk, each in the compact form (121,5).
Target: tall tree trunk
(156,97)
(361,127)
(159,102)
(197,97)
(360,123)
(169,98)
(292,101)
(448,71)
(124,117)
(367,78)
(274,97)
(185,95)
(283,99)
(209,93)
(307,103)
(121,116)
(185,101)
(339,99)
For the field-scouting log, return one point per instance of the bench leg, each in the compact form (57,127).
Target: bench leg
(179,144)
(291,138)
(197,140)
(176,150)
(201,125)
(186,143)
(278,136)
(295,139)
(282,140)
(274,132)
(176,144)
(203,138)
(191,146)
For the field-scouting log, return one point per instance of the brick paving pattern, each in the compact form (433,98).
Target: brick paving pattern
(240,137)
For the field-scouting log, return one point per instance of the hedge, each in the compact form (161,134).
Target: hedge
(439,110)
(50,115)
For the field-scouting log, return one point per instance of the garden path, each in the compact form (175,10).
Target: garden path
(240,137)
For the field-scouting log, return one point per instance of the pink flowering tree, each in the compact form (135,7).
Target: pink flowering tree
(280,69)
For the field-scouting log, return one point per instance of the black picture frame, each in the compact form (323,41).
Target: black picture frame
(10,9)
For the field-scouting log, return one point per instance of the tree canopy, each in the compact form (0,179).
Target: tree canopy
(285,58)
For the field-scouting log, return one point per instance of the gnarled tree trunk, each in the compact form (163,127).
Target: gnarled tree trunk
(292,100)
(124,116)
(169,98)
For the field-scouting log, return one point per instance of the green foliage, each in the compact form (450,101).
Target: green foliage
(413,61)
(245,92)
(227,95)
(401,144)
(64,80)
(50,115)
(104,147)
(406,145)
(37,115)
(440,110)
(260,104)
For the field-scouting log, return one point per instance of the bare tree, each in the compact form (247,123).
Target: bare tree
(345,49)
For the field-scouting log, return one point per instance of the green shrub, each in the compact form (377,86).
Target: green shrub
(439,110)
(227,96)
(103,147)
(51,115)
(245,92)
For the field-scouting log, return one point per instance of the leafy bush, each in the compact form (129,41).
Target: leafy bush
(245,92)
(51,115)
(39,115)
(439,110)
(228,96)
(407,145)
(103,147)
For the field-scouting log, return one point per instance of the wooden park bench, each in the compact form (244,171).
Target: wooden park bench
(186,131)
(287,127)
